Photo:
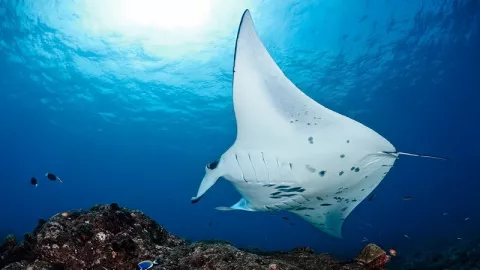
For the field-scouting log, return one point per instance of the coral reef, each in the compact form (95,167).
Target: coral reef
(373,257)
(112,237)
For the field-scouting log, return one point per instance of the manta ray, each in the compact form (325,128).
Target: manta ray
(291,153)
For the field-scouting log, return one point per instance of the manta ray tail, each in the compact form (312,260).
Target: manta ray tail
(414,155)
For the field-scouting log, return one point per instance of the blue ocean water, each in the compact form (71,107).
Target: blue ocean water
(127,101)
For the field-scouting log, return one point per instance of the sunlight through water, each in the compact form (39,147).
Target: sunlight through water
(161,14)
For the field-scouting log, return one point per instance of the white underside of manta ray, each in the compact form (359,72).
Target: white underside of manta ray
(291,153)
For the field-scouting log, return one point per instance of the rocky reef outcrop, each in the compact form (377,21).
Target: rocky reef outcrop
(113,237)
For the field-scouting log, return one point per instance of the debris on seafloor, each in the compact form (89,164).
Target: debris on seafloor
(113,237)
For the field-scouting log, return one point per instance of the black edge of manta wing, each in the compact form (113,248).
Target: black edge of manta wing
(236,39)
(194,200)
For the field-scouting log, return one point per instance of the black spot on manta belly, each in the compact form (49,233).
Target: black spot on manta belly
(340,173)
(294,189)
(348,141)
(342,156)
(275,193)
(303,208)
(357,169)
(325,204)
(343,209)
(322,173)
(310,168)
(310,140)
(279,187)
(287,195)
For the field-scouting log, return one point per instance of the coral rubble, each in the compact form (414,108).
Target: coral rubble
(111,237)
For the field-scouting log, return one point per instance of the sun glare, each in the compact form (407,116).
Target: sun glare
(164,14)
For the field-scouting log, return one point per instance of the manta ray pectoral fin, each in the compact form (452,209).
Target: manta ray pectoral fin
(396,153)
(242,204)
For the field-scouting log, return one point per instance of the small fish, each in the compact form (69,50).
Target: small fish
(364,239)
(371,197)
(445,214)
(65,214)
(392,252)
(53,177)
(286,218)
(144,265)
(34,182)
(407,198)
(368,224)
(467,218)
(459,238)
(406,236)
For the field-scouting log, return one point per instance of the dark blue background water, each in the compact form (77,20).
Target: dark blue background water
(128,101)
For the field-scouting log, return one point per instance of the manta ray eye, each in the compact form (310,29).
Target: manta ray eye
(212,165)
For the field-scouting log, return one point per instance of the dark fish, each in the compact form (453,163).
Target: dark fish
(33,181)
(53,177)
(407,198)
(286,218)
(371,197)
